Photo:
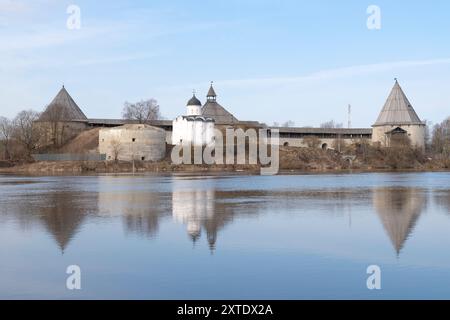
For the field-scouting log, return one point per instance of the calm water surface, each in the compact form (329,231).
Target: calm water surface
(233,237)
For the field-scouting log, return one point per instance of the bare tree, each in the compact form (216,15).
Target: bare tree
(338,143)
(428,125)
(116,148)
(288,124)
(400,141)
(331,124)
(401,154)
(438,142)
(312,141)
(441,138)
(6,133)
(55,116)
(25,131)
(142,111)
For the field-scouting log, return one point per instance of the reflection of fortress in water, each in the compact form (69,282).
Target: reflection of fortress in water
(140,211)
(205,211)
(399,210)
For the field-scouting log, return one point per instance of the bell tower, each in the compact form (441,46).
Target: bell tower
(211,97)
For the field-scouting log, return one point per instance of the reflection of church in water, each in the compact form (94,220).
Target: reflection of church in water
(195,206)
(399,210)
(191,202)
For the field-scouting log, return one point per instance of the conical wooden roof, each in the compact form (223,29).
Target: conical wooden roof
(397,109)
(65,107)
(211,92)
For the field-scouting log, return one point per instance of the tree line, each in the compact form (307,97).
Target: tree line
(19,136)
(439,143)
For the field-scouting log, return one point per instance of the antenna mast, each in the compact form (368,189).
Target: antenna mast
(349,116)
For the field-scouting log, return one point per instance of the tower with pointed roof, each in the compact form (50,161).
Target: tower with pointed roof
(212,109)
(62,120)
(66,108)
(398,117)
(211,96)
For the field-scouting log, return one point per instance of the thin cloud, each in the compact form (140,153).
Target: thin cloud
(19,12)
(116,59)
(324,75)
(331,74)
(13,6)
(49,38)
(20,63)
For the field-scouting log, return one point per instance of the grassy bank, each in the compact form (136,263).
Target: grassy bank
(302,160)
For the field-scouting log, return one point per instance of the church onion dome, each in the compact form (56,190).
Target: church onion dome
(194,102)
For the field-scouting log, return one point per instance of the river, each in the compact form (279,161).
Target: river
(226,237)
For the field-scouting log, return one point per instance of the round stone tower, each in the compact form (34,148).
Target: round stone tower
(398,120)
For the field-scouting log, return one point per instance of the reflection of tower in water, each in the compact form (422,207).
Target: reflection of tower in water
(194,205)
(399,210)
(62,217)
(61,213)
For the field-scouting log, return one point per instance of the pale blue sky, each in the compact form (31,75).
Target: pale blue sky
(303,61)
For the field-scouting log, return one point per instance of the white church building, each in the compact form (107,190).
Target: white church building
(194,128)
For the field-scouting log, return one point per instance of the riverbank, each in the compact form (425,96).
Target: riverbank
(295,160)
(86,167)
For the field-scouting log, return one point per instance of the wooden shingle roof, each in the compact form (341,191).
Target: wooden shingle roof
(64,107)
(397,110)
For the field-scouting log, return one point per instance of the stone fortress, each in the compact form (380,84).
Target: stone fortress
(148,141)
